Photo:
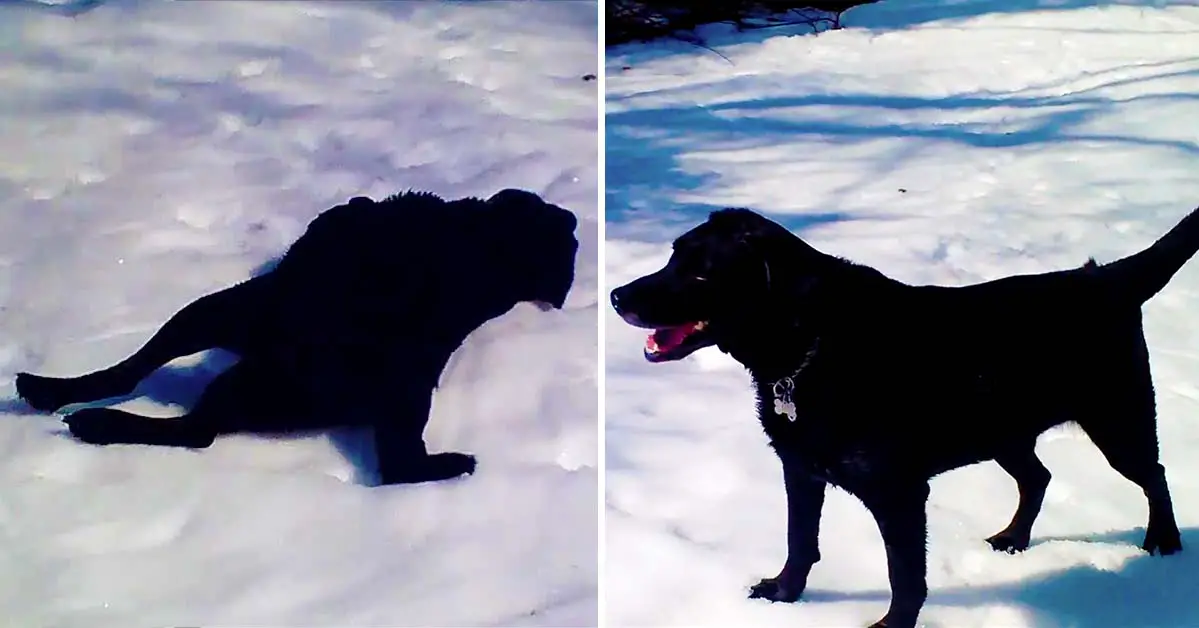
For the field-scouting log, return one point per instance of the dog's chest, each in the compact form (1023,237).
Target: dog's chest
(848,392)
(801,437)
(837,465)
(825,430)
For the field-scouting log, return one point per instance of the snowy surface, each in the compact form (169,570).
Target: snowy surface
(942,143)
(152,152)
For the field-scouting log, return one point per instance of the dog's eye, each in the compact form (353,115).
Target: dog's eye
(699,278)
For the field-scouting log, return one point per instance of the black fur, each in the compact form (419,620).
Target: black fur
(896,383)
(352,327)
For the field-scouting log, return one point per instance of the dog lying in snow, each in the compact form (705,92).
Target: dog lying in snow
(352,327)
(876,386)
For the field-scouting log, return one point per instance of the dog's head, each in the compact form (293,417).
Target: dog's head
(534,246)
(730,275)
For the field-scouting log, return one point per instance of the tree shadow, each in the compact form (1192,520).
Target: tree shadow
(1053,120)
(643,176)
(1150,591)
(644,145)
(891,15)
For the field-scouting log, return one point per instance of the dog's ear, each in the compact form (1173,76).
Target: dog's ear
(511,198)
(525,204)
(764,235)
(745,227)
(563,218)
(785,259)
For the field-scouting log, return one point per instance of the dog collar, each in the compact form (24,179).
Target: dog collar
(784,389)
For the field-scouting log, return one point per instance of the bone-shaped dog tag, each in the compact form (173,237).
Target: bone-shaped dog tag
(786,408)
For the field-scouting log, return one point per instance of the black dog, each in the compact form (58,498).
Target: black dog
(352,327)
(877,386)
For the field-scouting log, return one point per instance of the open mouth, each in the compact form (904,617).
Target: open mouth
(674,343)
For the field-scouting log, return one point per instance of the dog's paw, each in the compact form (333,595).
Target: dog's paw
(775,590)
(893,621)
(41,393)
(97,426)
(432,468)
(1162,543)
(53,393)
(1008,542)
(453,464)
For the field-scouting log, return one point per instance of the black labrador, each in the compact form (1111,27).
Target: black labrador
(353,326)
(877,386)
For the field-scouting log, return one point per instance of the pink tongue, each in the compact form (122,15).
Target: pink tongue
(667,339)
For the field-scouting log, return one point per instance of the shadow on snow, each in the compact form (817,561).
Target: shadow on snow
(643,145)
(1145,591)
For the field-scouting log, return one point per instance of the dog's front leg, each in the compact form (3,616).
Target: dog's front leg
(400,447)
(805,503)
(900,513)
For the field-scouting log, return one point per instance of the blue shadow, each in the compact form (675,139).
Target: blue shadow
(1148,591)
(643,174)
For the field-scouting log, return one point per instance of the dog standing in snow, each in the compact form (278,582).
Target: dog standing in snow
(876,386)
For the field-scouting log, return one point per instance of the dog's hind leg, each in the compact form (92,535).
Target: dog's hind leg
(109,426)
(1121,420)
(1130,445)
(246,396)
(1032,478)
(1135,456)
(223,319)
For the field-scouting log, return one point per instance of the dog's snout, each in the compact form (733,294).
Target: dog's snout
(616,296)
(621,300)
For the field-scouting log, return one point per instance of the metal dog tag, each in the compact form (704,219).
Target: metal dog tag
(784,405)
(787,409)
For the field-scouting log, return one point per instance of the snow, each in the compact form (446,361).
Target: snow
(943,143)
(151,152)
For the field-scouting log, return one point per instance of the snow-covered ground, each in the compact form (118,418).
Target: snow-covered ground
(151,152)
(941,143)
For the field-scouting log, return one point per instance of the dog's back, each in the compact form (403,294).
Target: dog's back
(1017,355)
(1081,309)
(365,236)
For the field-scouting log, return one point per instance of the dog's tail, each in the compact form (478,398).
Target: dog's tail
(1140,276)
